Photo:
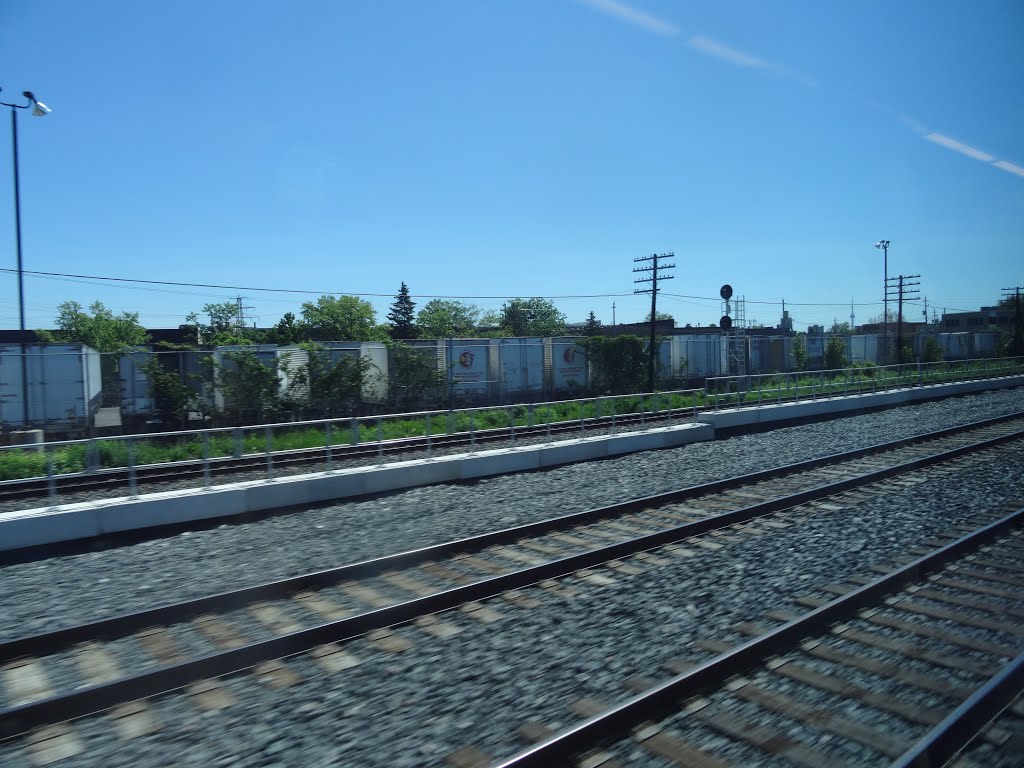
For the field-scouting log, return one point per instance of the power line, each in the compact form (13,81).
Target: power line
(320,292)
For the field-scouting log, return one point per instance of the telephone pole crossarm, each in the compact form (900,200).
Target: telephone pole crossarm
(654,269)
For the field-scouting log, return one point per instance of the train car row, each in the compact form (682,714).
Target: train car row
(67,383)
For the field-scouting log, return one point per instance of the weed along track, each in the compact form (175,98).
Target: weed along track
(392,603)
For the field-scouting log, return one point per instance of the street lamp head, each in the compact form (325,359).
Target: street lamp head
(882,244)
(38,108)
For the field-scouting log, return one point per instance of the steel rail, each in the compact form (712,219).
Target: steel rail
(124,624)
(950,737)
(662,700)
(18,719)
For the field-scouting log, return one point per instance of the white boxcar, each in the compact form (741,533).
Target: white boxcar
(472,368)
(863,348)
(375,379)
(522,368)
(285,362)
(567,365)
(698,356)
(64,385)
(136,397)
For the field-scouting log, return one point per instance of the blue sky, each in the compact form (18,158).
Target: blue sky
(491,149)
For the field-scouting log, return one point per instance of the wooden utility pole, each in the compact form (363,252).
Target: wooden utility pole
(653,290)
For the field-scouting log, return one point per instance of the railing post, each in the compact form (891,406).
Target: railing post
(429,447)
(581,417)
(380,440)
(51,480)
(329,452)
(269,434)
(353,430)
(91,459)
(133,481)
(206,457)
(239,442)
(472,430)
(512,424)
(529,415)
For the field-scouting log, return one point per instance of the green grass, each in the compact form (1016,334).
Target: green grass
(110,453)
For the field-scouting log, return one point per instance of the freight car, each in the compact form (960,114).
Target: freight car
(63,383)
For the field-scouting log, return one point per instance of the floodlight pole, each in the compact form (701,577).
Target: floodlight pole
(39,110)
(884,245)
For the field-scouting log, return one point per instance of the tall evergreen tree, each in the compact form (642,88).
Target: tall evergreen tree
(593,324)
(401,316)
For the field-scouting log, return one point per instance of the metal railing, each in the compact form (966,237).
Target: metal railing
(268,448)
(767,389)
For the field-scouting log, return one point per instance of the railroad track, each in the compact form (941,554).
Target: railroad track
(842,677)
(72,672)
(283,462)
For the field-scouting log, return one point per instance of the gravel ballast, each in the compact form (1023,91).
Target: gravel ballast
(56,592)
(415,707)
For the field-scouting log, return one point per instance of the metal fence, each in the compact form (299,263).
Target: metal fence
(190,458)
(768,389)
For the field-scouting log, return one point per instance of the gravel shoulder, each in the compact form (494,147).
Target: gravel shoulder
(413,708)
(62,591)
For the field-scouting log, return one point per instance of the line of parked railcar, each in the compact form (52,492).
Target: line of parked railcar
(66,382)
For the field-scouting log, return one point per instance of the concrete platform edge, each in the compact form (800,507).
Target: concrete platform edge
(41,526)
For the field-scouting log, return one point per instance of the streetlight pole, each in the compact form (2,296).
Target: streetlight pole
(39,110)
(884,245)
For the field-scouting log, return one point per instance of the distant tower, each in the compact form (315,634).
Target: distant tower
(853,324)
(786,324)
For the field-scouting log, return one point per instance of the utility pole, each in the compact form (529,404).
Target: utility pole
(898,287)
(653,290)
(613,314)
(1017,341)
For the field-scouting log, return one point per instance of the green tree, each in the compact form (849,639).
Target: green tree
(835,353)
(345,318)
(414,379)
(800,356)
(532,317)
(335,386)
(172,397)
(224,327)
(593,326)
(932,350)
(443,319)
(102,329)
(249,388)
(289,330)
(618,363)
(658,316)
(841,329)
(402,315)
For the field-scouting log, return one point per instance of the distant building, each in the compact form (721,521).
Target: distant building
(984,319)
(908,329)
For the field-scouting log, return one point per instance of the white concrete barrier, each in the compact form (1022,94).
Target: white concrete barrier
(68,522)
(776,413)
